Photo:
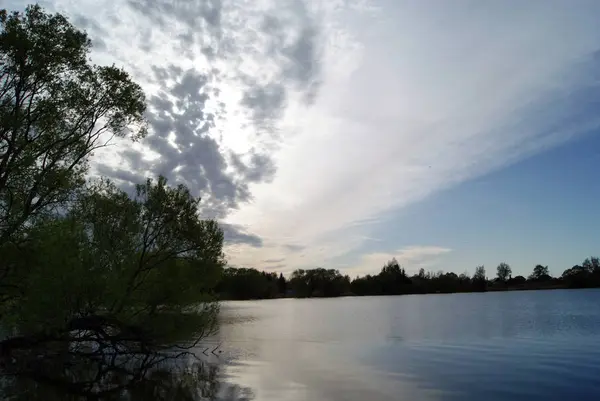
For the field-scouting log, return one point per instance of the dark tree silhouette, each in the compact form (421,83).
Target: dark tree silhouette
(282,285)
(503,272)
(540,273)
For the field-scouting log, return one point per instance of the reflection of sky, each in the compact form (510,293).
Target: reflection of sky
(492,346)
(500,370)
(286,355)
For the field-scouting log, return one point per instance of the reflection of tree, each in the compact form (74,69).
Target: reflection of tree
(111,366)
(73,375)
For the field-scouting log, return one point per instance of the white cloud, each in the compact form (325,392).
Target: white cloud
(412,258)
(398,100)
(437,93)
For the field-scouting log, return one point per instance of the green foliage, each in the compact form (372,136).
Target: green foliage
(75,253)
(55,110)
(116,255)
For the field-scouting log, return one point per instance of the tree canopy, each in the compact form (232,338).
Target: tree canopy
(503,271)
(540,272)
(80,255)
(393,279)
(55,110)
(83,261)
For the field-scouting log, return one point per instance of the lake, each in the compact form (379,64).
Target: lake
(528,345)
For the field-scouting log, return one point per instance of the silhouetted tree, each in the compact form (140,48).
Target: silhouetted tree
(518,280)
(282,284)
(503,272)
(244,283)
(76,254)
(479,279)
(585,275)
(540,273)
(592,264)
(319,283)
(393,280)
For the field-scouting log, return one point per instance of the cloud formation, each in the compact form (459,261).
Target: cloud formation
(435,95)
(219,77)
(412,258)
(303,123)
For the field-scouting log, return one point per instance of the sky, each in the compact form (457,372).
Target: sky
(342,133)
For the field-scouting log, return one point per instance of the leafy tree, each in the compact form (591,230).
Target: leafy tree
(503,272)
(282,284)
(518,280)
(319,282)
(479,279)
(585,275)
(244,283)
(112,255)
(393,278)
(55,110)
(592,264)
(84,256)
(576,277)
(540,272)
(479,274)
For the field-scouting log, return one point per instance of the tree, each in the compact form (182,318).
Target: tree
(592,264)
(503,272)
(479,274)
(55,110)
(76,255)
(281,284)
(115,256)
(585,275)
(540,272)
(319,282)
(479,280)
(244,283)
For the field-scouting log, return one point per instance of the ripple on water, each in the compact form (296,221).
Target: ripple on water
(525,346)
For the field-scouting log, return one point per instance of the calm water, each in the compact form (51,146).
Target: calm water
(534,345)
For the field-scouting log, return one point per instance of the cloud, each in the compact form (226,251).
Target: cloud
(238,235)
(94,30)
(309,121)
(426,98)
(279,266)
(412,258)
(293,247)
(273,260)
(266,102)
(219,77)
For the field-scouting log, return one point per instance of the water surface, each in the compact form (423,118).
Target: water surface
(529,345)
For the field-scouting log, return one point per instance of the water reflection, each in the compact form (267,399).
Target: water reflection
(84,370)
(531,345)
(519,346)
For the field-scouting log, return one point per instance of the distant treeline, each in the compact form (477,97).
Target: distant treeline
(245,283)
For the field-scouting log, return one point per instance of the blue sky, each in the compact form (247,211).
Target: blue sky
(343,133)
(543,209)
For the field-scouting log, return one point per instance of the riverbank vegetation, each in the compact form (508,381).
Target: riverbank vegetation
(91,274)
(88,272)
(394,280)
